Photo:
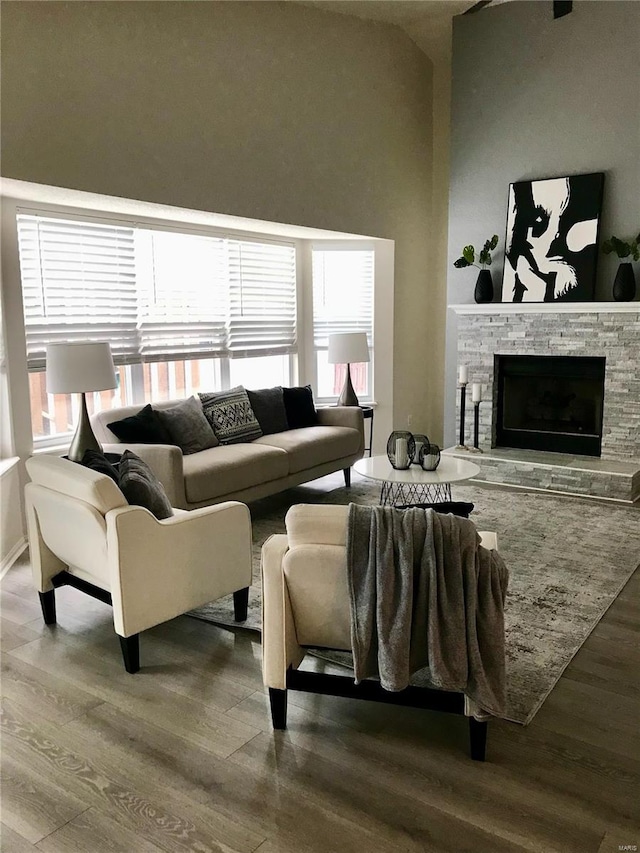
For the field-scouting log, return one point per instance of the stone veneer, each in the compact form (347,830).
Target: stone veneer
(611,330)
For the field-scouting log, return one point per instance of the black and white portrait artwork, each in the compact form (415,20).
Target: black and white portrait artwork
(552,239)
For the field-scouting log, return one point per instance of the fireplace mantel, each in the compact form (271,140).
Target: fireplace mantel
(547,308)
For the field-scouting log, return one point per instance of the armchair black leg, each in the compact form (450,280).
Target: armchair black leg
(477,739)
(48,605)
(347,476)
(278,702)
(241,604)
(130,652)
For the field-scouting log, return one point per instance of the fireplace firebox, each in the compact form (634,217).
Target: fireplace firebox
(552,403)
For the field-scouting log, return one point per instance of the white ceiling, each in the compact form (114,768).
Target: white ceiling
(428,22)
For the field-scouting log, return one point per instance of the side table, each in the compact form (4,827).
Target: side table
(367,414)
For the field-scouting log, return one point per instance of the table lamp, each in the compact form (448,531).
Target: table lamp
(75,369)
(348,348)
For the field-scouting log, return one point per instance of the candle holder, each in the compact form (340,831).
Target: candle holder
(419,440)
(463,397)
(476,427)
(401,449)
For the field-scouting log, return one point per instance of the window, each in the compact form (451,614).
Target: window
(342,302)
(182,311)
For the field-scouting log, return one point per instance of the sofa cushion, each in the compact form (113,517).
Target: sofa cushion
(145,427)
(188,427)
(268,407)
(230,468)
(310,446)
(230,415)
(141,487)
(298,404)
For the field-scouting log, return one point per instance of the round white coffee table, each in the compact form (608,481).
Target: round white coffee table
(413,485)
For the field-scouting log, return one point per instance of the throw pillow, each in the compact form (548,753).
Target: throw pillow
(141,487)
(230,415)
(188,427)
(298,404)
(97,461)
(268,407)
(142,428)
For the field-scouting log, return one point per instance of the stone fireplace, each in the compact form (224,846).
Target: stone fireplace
(561,385)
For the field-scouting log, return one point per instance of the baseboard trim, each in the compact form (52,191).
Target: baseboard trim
(12,556)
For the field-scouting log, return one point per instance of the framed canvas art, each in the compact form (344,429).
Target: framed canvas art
(551,247)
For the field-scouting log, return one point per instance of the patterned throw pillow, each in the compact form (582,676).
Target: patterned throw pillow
(231,416)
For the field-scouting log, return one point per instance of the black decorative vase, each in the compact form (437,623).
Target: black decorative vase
(624,284)
(400,449)
(484,287)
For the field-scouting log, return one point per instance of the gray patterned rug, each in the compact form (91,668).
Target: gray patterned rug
(568,559)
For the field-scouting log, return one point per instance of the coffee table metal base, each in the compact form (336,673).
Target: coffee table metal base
(404,494)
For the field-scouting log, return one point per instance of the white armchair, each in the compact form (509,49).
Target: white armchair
(306,605)
(83,533)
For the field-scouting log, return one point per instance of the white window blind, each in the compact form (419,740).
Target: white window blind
(342,293)
(79,284)
(156,295)
(262,310)
(183,285)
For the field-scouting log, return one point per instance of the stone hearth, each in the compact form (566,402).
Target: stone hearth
(609,330)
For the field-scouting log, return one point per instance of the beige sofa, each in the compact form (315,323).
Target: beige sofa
(247,471)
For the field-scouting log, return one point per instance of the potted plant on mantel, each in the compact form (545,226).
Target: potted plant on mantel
(484,285)
(624,284)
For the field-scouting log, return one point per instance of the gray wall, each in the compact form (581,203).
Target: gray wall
(537,97)
(273,111)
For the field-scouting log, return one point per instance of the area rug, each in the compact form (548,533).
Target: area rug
(568,558)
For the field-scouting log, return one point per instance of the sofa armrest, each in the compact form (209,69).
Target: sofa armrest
(280,649)
(161,569)
(165,460)
(344,416)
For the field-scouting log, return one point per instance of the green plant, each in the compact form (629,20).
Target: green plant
(484,258)
(622,248)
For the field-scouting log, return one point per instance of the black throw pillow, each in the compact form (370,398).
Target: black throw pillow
(298,404)
(459,508)
(268,407)
(145,427)
(141,487)
(97,461)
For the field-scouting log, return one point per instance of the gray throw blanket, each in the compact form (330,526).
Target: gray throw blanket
(425,593)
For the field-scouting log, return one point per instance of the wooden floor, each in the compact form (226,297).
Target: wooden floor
(181,756)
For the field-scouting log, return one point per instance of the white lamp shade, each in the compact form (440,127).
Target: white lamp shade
(348,348)
(78,367)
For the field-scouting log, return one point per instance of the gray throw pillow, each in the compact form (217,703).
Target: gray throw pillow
(141,487)
(188,427)
(268,407)
(231,416)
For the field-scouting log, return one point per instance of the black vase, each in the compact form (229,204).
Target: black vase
(484,287)
(624,284)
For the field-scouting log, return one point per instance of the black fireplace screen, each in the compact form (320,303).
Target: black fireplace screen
(552,403)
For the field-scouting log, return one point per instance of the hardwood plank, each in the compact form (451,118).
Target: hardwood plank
(151,809)
(18,609)
(13,635)
(621,838)
(255,799)
(94,831)
(47,695)
(11,842)
(488,798)
(32,805)
(142,694)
